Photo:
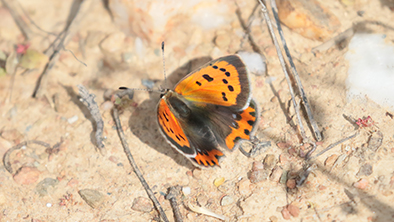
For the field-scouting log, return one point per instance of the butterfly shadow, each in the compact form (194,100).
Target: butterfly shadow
(143,121)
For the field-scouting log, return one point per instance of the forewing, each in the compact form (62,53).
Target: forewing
(172,130)
(223,82)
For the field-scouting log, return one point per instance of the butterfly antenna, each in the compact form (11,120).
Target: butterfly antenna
(164,65)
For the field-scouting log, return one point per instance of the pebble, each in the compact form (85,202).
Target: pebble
(186,191)
(284,158)
(276,174)
(361,184)
(27,175)
(73,182)
(375,141)
(308,18)
(291,183)
(273,219)
(227,187)
(285,213)
(93,198)
(283,145)
(218,181)
(113,159)
(202,200)
(257,174)
(365,170)
(331,160)
(49,205)
(293,210)
(244,187)
(197,173)
(12,135)
(269,161)
(43,186)
(73,119)
(142,204)
(227,200)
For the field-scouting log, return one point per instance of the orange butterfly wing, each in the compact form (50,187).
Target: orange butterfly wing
(172,131)
(223,82)
(245,123)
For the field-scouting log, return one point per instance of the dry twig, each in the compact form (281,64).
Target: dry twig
(173,192)
(61,40)
(88,100)
(6,157)
(134,165)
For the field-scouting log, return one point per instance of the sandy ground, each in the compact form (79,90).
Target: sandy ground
(352,182)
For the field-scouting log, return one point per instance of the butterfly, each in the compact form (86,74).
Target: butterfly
(210,110)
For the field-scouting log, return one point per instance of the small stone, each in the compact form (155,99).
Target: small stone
(361,184)
(322,187)
(186,191)
(49,205)
(27,175)
(375,141)
(269,161)
(365,170)
(293,210)
(142,204)
(291,183)
(257,174)
(73,119)
(202,199)
(107,105)
(283,145)
(273,219)
(227,187)
(12,135)
(285,213)
(308,18)
(189,173)
(227,200)
(244,187)
(73,182)
(43,186)
(218,181)
(113,159)
(276,174)
(93,198)
(283,177)
(330,160)
(197,173)
(283,158)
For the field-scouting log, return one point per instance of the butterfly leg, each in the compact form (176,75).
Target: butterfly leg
(257,145)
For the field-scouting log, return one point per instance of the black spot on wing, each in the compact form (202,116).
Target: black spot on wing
(250,122)
(225,81)
(227,74)
(231,88)
(224,96)
(247,132)
(207,77)
(198,83)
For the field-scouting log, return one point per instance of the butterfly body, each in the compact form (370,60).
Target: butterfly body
(209,110)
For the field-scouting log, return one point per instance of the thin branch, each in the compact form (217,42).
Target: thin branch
(66,35)
(331,146)
(134,165)
(89,101)
(282,62)
(173,193)
(296,76)
(6,157)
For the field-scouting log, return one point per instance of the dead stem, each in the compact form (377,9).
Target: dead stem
(74,19)
(282,62)
(294,72)
(173,192)
(134,165)
(89,101)
(331,146)
(6,157)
